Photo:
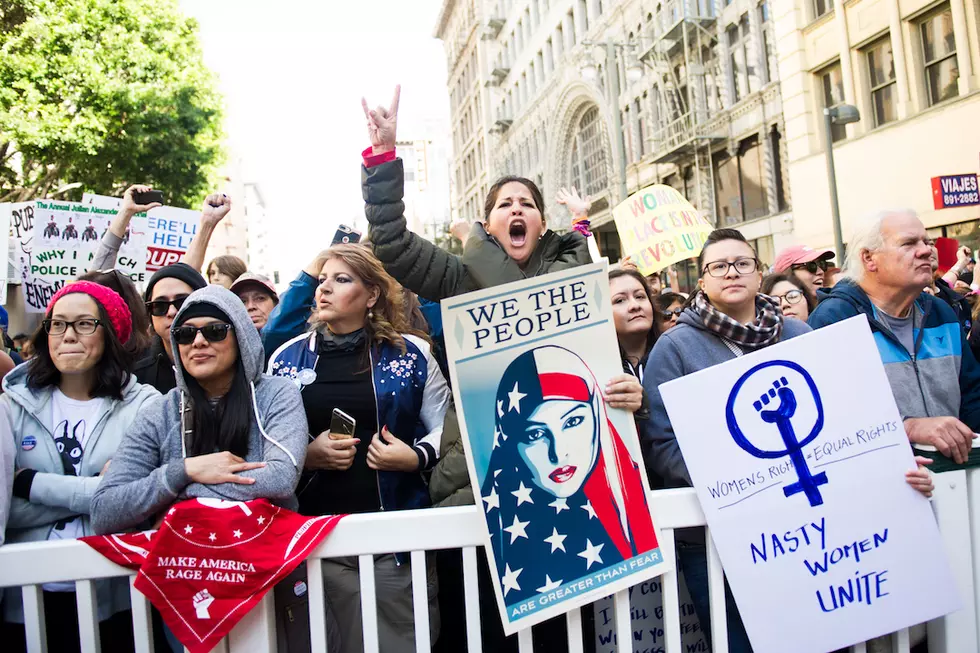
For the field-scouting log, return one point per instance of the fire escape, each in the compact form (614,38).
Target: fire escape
(686,104)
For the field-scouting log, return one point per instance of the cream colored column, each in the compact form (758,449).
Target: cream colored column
(847,72)
(967,82)
(898,55)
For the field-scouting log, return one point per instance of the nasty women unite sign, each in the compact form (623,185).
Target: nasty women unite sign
(799,468)
(658,227)
(559,474)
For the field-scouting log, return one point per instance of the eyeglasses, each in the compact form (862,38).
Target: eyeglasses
(811,266)
(719,269)
(667,314)
(85,326)
(216,332)
(160,307)
(792,297)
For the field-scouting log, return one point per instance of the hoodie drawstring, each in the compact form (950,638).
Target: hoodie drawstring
(265,435)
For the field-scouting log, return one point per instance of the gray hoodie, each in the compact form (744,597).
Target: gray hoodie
(26,421)
(147,473)
(687,348)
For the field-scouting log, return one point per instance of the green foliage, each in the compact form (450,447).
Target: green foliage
(105,93)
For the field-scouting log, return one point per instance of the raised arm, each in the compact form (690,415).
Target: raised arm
(216,207)
(112,240)
(289,318)
(413,261)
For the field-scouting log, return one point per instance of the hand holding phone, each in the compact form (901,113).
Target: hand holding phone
(341,425)
(144,198)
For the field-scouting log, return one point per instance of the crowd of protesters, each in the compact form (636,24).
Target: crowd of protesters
(123,404)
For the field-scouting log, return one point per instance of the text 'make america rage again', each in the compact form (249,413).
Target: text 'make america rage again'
(501,320)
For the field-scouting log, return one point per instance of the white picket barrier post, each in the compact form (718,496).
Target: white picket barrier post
(29,565)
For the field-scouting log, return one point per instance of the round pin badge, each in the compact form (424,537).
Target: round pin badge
(28,443)
(299,588)
(306,377)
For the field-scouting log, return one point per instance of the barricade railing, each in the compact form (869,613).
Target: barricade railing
(28,566)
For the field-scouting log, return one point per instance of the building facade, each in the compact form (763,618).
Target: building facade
(910,67)
(611,96)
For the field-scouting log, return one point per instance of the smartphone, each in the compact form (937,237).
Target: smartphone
(341,425)
(345,236)
(149,197)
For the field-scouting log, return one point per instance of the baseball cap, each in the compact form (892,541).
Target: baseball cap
(252,279)
(796,254)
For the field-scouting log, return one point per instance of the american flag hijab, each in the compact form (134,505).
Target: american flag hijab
(562,496)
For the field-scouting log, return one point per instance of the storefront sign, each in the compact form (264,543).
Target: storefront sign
(955,190)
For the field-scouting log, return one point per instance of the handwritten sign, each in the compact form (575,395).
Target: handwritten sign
(647,621)
(658,227)
(37,292)
(67,235)
(800,471)
(557,471)
(170,230)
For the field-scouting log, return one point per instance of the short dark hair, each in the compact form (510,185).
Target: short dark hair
(717,236)
(771,280)
(21,336)
(140,339)
(229,265)
(665,299)
(111,372)
(503,181)
(655,329)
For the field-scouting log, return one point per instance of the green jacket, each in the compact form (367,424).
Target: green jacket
(436,274)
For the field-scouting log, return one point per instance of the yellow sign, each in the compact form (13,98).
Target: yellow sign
(658,227)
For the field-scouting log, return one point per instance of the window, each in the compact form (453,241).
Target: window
(641,132)
(939,57)
(832,83)
(881,73)
(740,183)
(821,7)
(588,169)
(770,57)
(736,54)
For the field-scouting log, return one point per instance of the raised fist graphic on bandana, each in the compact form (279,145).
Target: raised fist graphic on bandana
(202,600)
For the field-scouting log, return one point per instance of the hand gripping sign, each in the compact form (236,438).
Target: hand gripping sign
(778,406)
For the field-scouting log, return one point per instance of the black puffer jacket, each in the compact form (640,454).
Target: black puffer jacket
(434,273)
(156,369)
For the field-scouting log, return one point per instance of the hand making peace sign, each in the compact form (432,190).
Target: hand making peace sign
(382,124)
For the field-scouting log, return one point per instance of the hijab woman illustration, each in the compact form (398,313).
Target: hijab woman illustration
(563,496)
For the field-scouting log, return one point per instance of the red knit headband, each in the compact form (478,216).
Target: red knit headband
(114,305)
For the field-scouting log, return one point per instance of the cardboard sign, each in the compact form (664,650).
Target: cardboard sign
(558,473)
(658,227)
(170,230)
(798,456)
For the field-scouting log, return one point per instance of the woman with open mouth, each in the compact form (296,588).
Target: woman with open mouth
(574,475)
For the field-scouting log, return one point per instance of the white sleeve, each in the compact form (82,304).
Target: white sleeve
(435,402)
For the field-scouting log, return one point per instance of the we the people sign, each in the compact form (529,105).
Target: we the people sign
(558,474)
(798,456)
(658,227)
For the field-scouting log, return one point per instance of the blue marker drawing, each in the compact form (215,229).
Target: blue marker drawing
(777,406)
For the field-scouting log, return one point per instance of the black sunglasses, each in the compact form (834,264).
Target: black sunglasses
(216,332)
(160,307)
(812,266)
(667,314)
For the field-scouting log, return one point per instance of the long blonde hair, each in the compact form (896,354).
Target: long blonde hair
(389,320)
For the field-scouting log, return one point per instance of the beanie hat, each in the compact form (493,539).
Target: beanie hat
(200,309)
(180,271)
(110,301)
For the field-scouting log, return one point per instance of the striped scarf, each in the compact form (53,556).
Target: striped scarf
(765,330)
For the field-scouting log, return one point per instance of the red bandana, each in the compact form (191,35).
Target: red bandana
(212,561)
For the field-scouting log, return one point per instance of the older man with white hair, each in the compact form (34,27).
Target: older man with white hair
(931,369)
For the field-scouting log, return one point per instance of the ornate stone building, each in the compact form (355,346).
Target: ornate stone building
(611,96)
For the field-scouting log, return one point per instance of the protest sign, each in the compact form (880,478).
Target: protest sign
(647,621)
(5,215)
(658,227)
(37,292)
(170,230)
(798,456)
(558,473)
(67,235)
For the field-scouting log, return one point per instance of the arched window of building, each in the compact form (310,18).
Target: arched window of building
(588,172)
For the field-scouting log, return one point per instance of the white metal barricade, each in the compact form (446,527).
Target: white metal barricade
(956,503)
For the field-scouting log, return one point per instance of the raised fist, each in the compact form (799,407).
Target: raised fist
(202,601)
